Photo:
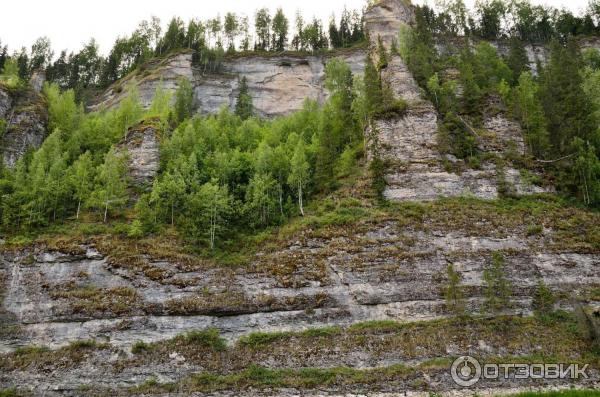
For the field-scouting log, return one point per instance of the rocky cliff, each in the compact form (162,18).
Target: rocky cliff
(26,116)
(278,84)
(351,300)
(313,293)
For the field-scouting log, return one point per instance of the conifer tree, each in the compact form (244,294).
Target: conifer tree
(243,106)
(184,99)
(517,60)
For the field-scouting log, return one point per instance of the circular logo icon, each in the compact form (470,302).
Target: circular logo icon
(465,371)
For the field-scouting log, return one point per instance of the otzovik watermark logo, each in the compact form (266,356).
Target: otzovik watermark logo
(466,371)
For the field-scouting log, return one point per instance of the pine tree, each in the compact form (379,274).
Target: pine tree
(382,55)
(455,299)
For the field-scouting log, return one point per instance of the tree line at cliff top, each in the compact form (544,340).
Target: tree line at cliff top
(210,40)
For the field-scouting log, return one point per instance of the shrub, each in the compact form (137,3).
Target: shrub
(139,347)
(533,230)
(2,127)
(208,338)
(498,289)
(543,299)
(392,109)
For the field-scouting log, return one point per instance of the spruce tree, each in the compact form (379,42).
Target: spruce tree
(568,110)
(517,59)
(243,106)
(184,99)
(373,93)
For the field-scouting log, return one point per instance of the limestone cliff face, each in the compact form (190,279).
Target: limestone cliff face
(142,147)
(409,144)
(384,19)
(26,117)
(278,85)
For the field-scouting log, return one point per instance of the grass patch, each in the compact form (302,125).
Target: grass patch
(206,338)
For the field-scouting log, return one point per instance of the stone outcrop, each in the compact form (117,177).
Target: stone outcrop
(384,19)
(416,170)
(387,268)
(278,84)
(163,72)
(142,146)
(26,116)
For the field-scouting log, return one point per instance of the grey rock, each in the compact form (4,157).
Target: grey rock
(142,147)
(26,116)
(279,85)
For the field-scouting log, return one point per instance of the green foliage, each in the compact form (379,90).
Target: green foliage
(299,173)
(377,169)
(543,299)
(140,347)
(64,113)
(498,290)
(10,74)
(184,100)
(243,105)
(208,338)
(566,107)
(3,126)
(209,207)
(528,109)
(110,192)
(455,299)
(372,88)
(517,59)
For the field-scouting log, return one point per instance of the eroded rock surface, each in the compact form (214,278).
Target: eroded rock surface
(279,85)
(26,117)
(389,268)
(142,147)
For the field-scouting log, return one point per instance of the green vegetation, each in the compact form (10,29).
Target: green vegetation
(209,41)
(498,290)
(557,106)
(455,299)
(220,176)
(9,74)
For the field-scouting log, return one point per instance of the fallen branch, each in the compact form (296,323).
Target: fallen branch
(471,129)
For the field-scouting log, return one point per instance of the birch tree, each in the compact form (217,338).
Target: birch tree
(299,175)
